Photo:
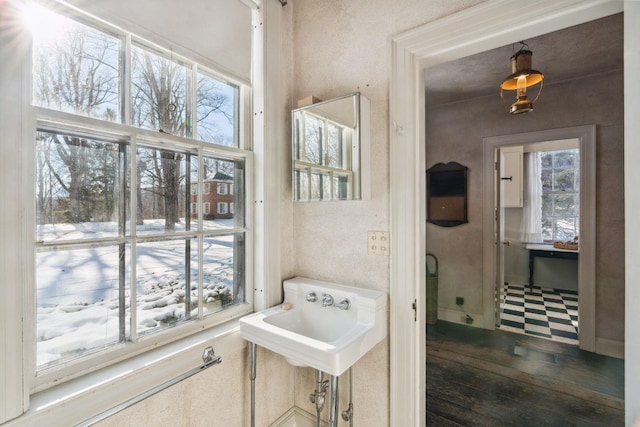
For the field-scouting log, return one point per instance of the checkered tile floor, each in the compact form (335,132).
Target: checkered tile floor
(547,313)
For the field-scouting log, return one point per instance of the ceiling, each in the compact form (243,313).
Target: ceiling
(575,52)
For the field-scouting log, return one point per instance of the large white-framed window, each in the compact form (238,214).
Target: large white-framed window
(123,132)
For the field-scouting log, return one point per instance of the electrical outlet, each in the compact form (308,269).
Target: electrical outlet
(378,242)
(459,300)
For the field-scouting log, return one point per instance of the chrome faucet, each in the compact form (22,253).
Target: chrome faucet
(344,304)
(327,300)
(312,297)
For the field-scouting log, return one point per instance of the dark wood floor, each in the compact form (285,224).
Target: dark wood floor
(477,377)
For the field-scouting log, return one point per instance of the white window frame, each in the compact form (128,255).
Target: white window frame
(206,188)
(206,208)
(74,401)
(222,208)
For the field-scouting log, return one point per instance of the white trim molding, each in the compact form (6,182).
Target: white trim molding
(631,209)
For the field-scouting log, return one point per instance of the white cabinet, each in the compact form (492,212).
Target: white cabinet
(511,165)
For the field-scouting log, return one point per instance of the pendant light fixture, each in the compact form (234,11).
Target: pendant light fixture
(522,76)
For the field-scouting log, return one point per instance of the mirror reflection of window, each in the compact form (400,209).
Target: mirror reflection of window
(327,148)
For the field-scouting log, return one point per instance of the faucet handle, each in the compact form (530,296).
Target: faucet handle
(344,304)
(311,297)
(327,300)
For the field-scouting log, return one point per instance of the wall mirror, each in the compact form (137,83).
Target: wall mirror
(330,149)
(447,194)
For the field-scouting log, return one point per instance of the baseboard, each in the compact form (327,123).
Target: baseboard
(296,417)
(457,316)
(609,347)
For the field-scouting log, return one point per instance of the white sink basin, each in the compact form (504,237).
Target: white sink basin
(326,338)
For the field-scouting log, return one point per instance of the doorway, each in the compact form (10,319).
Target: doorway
(468,32)
(585,137)
(550,197)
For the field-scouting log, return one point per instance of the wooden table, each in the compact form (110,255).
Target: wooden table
(546,251)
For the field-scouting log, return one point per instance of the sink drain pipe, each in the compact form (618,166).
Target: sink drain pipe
(318,395)
(348,414)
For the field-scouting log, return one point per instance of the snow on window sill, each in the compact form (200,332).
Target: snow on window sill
(77,400)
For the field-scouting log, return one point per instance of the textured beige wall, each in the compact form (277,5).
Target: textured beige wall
(340,47)
(455,132)
(218,396)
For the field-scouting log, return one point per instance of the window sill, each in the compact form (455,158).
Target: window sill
(82,398)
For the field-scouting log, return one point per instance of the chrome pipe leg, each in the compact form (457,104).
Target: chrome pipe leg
(333,416)
(253,385)
(319,391)
(348,414)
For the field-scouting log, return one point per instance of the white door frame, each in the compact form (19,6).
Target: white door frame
(487,26)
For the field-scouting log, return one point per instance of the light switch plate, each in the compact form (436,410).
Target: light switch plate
(378,242)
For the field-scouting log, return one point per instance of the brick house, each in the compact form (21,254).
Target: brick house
(217,197)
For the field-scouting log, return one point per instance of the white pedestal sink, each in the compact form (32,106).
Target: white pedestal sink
(329,337)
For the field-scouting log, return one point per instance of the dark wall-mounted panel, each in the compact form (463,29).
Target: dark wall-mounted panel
(447,194)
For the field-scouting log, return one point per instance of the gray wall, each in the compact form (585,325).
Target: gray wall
(455,132)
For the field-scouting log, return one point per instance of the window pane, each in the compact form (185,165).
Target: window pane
(340,187)
(316,186)
(565,229)
(313,139)
(161,192)
(75,68)
(159,90)
(301,179)
(565,159)
(564,180)
(162,269)
(216,111)
(547,180)
(223,275)
(77,301)
(547,228)
(547,205)
(220,175)
(565,205)
(334,147)
(80,187)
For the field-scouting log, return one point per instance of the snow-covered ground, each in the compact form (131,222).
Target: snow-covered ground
(77,289)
